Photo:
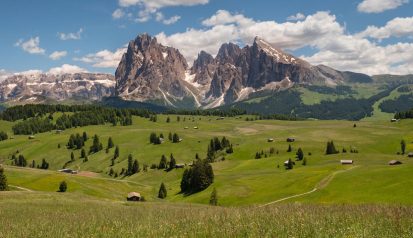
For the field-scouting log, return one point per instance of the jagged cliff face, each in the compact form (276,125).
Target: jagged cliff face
(36,88)
(150,71)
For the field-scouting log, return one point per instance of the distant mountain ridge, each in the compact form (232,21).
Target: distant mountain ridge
(42,87)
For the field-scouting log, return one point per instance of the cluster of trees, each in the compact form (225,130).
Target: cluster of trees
(43,165)
(331,149)
(198,177)
(96,145)
(153,118)
(164,164)
(40,110)
(401,106)
(133,166)
(3,136)
(405,114)
(155,139)
(220,112)
(3,180)
(33,126)
(261,154)
(19,161)
(216,145)
(77,141)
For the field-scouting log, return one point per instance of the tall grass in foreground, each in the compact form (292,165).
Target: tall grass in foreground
(48,215)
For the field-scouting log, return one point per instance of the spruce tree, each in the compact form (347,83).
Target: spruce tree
(168,120)
(214,198)
(135,167)
(163,162)
(63,187)
(403,146)
(116,155)
(130,165)
(72,156)
(172,162)
(162,191)
(110,143)
(3,180)
(82,153)
(289,148)
(300,154)
(85,137)
(170,136)
(289,164)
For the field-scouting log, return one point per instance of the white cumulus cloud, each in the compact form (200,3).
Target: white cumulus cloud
(334,46)
(104,58)
(296,17)
(67,69)
(398,27)
(377,6)
(56,55)
(31,46)
(71,36)
(118,13)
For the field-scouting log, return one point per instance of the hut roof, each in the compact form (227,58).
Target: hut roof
(133,194)
(394,162)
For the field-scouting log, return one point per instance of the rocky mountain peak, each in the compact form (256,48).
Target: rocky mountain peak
(228,53)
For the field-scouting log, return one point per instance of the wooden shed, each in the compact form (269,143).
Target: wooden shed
(134,196)
(270,139)
(410,155)
(290,139)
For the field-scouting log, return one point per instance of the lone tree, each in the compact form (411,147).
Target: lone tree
(214,198)
(172,162)
(162,163)
(72,156)
(82,153)
(300,154)
(289,148)
(3,180)
(63,187)
(331,149)
(116,155)
(110,143)
(403,146)
(162,191)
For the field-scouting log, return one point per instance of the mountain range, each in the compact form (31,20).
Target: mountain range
(259,78)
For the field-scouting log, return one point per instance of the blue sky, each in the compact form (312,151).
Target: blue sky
(370,36)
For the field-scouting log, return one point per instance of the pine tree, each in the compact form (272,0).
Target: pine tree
(82,153)
(331,149)
(85,137)
(135,167)
(110,143)
(300,154)
(304,162)
(111,172)
(162,163)
(289,148)
(175,138)
(168,120)
(72,156)
(214,198)
(130,164)
(116,155)
(403,146)
(172,162)
(96,146)
(162,191)
(3,180)
(62,187)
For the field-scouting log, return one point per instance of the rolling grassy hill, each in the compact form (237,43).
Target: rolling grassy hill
(240,179)
(257,197)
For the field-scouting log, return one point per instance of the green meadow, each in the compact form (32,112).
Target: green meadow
(257,197)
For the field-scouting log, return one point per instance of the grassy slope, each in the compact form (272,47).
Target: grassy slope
(240,179)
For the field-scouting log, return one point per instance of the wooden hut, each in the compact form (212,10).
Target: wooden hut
(290,139)
(346,161)
(134,196)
